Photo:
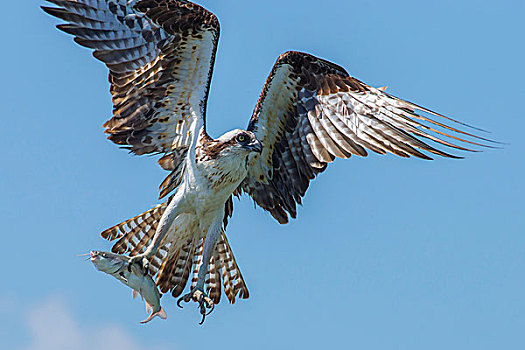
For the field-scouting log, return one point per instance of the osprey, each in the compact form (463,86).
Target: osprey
(160,55)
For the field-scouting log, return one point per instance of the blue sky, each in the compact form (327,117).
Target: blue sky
(387,253)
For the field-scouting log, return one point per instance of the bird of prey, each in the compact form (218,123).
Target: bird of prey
(160,55)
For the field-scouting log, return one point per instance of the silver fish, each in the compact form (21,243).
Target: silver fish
(133,276)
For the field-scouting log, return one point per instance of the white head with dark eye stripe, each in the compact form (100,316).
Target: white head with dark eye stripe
(233,149)
(240,142)
(248,141)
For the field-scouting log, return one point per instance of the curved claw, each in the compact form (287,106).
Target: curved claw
(140,260)
(204,302)
(185,298)
(204,313)
(203,305)
(201,301)
(211,309)
(202,321)
(181,299)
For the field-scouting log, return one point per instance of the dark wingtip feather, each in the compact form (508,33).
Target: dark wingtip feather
(67,28)
(48,10)
(55,11)
(411,107)
(443,116)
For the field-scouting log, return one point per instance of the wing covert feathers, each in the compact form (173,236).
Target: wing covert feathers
(173,263)
(160,55)
(312,111)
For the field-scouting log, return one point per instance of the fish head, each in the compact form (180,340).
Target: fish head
(106,262)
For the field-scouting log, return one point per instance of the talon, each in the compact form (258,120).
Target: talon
(142,261)
(212,307)
(145,265)
(203,312)
(181,299)
(185,298)
(204,302)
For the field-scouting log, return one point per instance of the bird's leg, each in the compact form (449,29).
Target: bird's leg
(197,293)
(171,212)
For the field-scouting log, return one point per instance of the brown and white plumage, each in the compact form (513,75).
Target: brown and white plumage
(160,55)
(312,111)
(133,236)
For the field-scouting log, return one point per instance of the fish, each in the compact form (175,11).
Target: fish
(133,276)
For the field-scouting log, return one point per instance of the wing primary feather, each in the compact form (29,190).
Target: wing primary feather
(336,116)
(407,117)
(415,106)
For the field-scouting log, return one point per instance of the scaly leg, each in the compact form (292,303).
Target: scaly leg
(197,293)
(171,212)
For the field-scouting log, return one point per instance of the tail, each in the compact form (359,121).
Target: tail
(161,313)
(173,266)
(134,235)
(222,264)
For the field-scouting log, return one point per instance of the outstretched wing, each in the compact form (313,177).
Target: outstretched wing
(312,111)
(160,55)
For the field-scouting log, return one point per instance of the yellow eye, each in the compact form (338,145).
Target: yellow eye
(241,138)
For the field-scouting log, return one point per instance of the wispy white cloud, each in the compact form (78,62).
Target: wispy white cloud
(53,327)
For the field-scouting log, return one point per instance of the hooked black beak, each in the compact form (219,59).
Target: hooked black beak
(255,146)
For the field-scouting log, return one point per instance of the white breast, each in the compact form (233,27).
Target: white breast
(207,186)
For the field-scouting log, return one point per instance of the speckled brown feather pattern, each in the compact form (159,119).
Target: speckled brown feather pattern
(148,46)
(209,149)
(173,162)
(312,111)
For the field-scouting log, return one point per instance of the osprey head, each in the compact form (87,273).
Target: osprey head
(240,142)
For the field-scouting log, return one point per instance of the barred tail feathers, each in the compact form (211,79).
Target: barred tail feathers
(231,274)
(173,262)
(138,223)
(175,270)
(134,235)
(222,268)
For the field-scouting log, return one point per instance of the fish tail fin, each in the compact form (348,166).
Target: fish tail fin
(149,308)
(161,313)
